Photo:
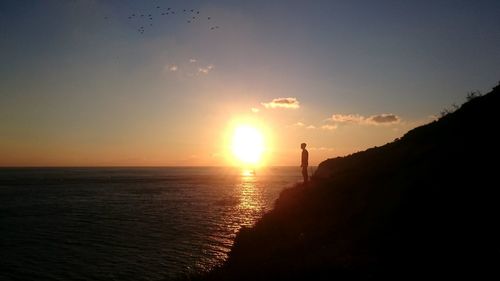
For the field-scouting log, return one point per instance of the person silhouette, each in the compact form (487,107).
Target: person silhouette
(304,162)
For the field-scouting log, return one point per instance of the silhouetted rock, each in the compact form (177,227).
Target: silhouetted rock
(423,206)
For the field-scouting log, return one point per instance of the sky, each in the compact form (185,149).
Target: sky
(81,84)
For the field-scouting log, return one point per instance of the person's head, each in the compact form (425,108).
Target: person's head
(303,145)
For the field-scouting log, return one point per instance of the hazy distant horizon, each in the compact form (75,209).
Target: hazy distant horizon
(164,166)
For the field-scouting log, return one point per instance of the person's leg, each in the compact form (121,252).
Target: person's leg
(304,174)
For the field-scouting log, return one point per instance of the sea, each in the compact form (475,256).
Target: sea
(157,223)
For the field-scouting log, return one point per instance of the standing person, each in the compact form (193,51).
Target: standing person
(305,162)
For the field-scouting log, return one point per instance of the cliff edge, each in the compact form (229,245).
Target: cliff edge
(425,205)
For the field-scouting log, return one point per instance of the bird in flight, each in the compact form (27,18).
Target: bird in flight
(146,17)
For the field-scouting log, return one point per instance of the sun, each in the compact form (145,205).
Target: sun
(247,144)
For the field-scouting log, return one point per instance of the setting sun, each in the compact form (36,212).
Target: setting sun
(247,145)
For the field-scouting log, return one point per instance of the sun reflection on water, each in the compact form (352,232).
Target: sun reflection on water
(251,204)
(245,173)
(246,201)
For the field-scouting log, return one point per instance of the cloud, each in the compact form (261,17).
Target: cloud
(190,67)
(302,125)
(349,118)
(379,119)
(329,127)
(205,70)
(291,103)
(433,117)
(255,110)
(383,119)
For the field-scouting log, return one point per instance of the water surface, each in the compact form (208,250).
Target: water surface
(127,223)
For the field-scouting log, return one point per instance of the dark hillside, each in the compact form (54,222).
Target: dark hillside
(423,206)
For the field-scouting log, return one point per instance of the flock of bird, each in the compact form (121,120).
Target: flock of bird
(145,20)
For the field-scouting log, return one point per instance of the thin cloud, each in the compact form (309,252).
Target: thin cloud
(302,125)
(255,110)
(173,67)
(383,119)
(329,127)
(348,118)
(433,117)
(205,70)
(291,103)
(192,60)
(379,119)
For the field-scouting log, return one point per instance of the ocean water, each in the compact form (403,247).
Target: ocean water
(127,223)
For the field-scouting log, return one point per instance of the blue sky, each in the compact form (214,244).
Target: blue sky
(78,76)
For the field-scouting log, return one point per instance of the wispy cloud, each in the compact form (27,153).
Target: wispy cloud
(348,118)
(302,125)
(189,68)
(255,110)
(383,119)
(291,103)
(433,117)
(379,119)
(205,70)
(329,127)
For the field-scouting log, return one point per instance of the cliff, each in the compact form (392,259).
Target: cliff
(425,205)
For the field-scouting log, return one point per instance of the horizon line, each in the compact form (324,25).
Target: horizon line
(152,166)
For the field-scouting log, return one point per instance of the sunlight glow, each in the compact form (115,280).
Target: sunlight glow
(247,144)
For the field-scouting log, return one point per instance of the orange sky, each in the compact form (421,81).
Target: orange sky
(85,84)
